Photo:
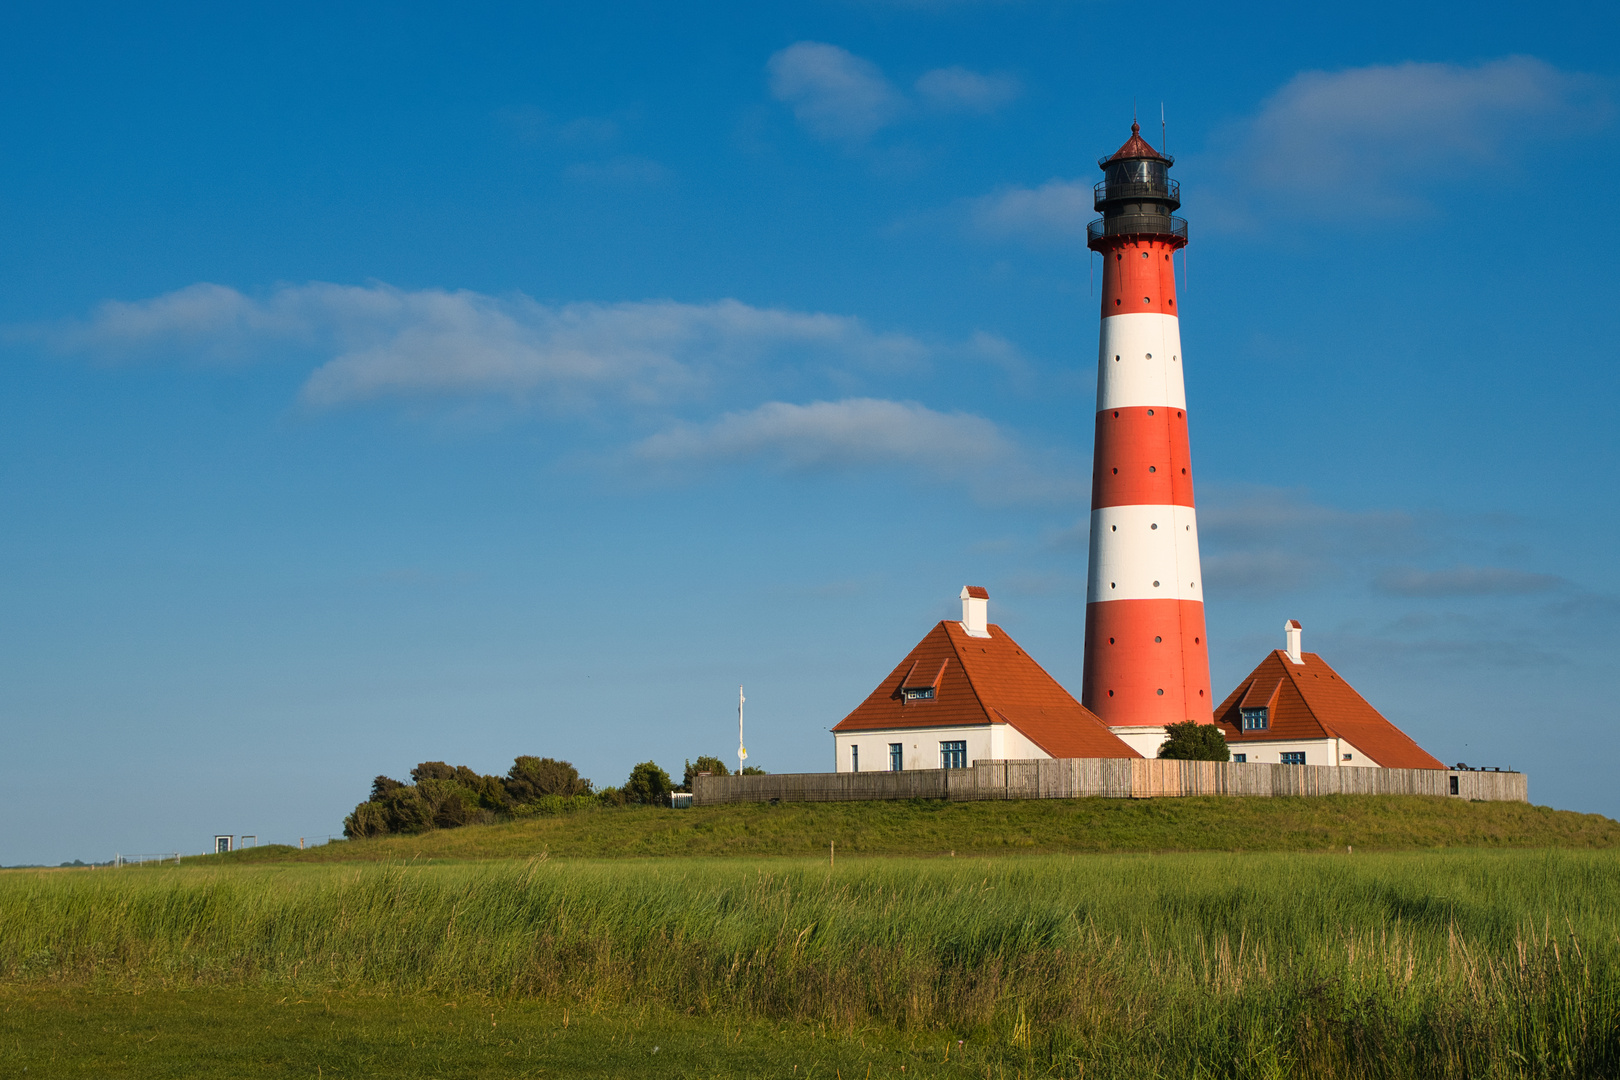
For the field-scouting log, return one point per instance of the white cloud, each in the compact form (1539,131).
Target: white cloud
(1389,138)
(1371,141)
(960,90)
(834,93)
(375,341)
(866,432)
(1057,210)
(846,98)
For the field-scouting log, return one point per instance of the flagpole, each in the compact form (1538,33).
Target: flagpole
(742,750)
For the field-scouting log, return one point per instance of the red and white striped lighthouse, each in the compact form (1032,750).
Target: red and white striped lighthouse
(1147,657)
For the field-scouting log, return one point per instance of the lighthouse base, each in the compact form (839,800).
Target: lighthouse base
(1144,739)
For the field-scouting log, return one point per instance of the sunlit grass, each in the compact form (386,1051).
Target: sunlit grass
(1328,823)
(1446,964)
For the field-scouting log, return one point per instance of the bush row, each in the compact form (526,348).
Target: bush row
(441,796)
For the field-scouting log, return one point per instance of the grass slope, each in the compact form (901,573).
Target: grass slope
(234,1034)
(1328,823)
(1457,964)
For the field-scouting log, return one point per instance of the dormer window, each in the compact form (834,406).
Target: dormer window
(921,683)
(1256,719)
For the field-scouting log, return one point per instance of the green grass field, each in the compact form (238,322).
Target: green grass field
(992,828)
(1439,963)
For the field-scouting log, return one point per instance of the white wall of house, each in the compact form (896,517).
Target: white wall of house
(920,747)
(1317,752)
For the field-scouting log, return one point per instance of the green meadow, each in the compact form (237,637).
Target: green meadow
(1442,963)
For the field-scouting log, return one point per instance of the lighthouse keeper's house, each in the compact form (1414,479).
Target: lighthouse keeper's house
(968,692)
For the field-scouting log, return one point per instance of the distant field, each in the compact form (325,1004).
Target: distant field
(1455,963)
(929,828)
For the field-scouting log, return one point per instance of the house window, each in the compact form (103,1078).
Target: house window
(1240,757)
(920,693)
(854,759)
(1454,785)
(1293,757)
(1256,719)
(953,755)
(894,757)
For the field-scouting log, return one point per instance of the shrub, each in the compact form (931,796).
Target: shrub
(648,784)
(532,778)
(1192,741)
(701,765)
(753,770)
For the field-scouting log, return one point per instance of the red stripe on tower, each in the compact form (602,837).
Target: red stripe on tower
(1147,658)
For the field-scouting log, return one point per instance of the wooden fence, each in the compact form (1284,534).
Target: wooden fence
(1109,778)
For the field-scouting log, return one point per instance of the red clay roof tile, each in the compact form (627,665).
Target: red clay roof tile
(992,682)
(1312,701)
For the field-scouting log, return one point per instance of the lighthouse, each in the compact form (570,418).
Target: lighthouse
(1147,656)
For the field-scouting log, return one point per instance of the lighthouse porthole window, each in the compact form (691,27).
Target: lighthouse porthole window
(1158,641)
(1161,693)
(1150,411)
(1155,584)
(1155,525)
(1150,356)
(1153,468)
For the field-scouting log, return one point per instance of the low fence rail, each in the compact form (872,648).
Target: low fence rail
(1109,778)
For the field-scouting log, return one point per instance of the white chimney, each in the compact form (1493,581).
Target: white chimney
(976,611)
(1294,632)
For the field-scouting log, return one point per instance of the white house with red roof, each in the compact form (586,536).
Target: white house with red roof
(1294,709)
(968,692)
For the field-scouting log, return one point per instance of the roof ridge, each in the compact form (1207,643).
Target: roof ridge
(967,672)
(1305,699)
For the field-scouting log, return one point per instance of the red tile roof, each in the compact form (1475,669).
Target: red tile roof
(985,681)
(1136,146)
(978,592)
(1311,701)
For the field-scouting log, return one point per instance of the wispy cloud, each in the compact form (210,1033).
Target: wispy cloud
(956,89)
(1353,141)
(837,95)
(1464,581)
(378,341)
(1266,541)
(841,97)
(626,169)
(953,447)
(1055,212)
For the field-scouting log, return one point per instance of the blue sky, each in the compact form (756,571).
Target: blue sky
(395,384)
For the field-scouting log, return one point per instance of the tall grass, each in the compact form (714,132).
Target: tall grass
(1454,964)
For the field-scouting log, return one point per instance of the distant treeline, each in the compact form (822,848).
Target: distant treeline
(442,796)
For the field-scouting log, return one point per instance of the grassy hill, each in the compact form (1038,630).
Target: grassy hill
(1371,823)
